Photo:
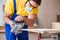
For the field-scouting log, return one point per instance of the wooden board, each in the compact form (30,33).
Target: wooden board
(56,25)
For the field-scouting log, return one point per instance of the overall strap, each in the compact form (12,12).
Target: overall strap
(14,1)
(14,15)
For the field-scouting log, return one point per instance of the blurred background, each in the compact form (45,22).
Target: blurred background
(48,18)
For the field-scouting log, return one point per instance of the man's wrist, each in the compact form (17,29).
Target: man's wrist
(24,19)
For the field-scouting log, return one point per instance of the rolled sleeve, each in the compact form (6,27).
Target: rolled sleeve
(34,11)
(9,7)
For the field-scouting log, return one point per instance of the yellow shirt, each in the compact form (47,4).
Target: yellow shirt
(20,9)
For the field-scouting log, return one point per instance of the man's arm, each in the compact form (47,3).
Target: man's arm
(30,20)
(7,18)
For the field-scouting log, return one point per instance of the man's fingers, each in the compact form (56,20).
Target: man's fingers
(19,18)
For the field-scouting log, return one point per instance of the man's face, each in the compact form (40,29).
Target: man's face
(31,3)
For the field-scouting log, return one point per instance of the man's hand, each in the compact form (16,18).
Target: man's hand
(19,18)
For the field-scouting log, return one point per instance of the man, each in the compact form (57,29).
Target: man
(24,10)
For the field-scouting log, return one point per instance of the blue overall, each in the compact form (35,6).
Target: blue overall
(12,36)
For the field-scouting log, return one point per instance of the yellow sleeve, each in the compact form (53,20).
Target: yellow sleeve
(9,7)
(34,11)
(25,0)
